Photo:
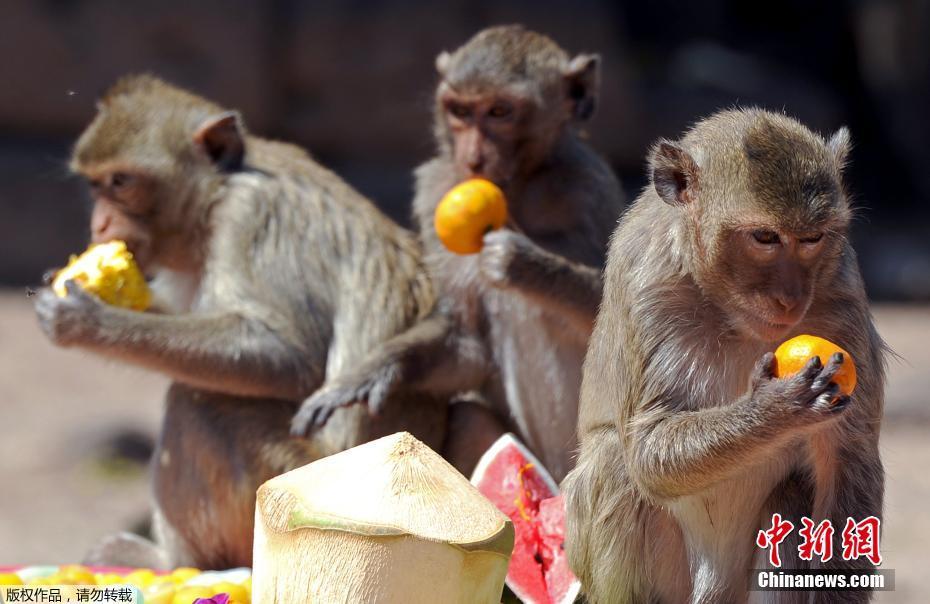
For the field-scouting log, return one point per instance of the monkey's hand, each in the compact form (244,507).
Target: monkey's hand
(374,387)
(506,256)
(512,261)
(49,275)
(809,394)
(72,320)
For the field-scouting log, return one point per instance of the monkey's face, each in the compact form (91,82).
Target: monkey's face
(769,276)
(154,158)
(138,207)
(485,133)
(123,209)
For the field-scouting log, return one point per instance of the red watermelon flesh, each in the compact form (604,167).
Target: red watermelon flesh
(510,476)
(560,581)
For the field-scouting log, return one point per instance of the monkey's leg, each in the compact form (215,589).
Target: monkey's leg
(213,453)
(622,548)
(793,499)
(473,428)
(853,489)
(129,550)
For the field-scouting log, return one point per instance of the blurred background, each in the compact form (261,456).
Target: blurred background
(352,81)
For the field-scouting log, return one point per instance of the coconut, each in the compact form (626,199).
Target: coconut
(387,521)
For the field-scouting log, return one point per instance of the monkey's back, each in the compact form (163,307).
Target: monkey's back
(329,275)
(347,250)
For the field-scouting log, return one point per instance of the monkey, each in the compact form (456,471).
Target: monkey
(689,443)
(268,266)
(513,321)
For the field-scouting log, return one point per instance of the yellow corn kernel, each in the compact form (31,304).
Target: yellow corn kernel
(109,271)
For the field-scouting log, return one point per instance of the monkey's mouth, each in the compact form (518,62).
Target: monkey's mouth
(764,328)
(500,180)
(141,254)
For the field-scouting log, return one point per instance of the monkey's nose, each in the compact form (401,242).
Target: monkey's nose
(99,227)
(476,165)
(787,303)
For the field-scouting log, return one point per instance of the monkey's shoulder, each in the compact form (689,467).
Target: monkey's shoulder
(645,244)
(283,182)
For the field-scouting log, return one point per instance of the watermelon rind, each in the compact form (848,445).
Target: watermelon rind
(509,440)
(506,441)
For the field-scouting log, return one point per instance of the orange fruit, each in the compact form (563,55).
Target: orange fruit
(793,354)
(467,212)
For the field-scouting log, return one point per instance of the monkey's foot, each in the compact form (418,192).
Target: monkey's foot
(316,410)
(126,549)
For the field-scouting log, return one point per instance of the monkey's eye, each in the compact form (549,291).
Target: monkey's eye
(766,237)
(459,111)
(119,180)
(815,238)
(500,111)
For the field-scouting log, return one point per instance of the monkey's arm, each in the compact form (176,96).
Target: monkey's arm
(676,453)
(221,351)
(433,357)
(511,260)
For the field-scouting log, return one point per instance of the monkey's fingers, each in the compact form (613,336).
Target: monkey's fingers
(841,403)
(828,372)
(316,410)
(824,402)
(764,369)
(45,309)
(75,290)
(800,386)
(307,419)
(49,275)
(381,389)
(810,370)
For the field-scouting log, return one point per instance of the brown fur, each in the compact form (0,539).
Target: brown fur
(688,444)
(268,267)
(514,319)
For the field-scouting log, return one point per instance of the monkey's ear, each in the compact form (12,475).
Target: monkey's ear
(582,82)
(442,63)
(220,137)
(674,173)
(839,145)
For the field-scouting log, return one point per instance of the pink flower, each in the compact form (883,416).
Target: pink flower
(217,599)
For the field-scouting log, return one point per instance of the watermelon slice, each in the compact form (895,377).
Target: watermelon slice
(511,477)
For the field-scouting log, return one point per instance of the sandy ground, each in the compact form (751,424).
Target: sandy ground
(56,406)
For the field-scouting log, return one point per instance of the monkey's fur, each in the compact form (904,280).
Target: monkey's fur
(282,265)
(516,317)
(688,444)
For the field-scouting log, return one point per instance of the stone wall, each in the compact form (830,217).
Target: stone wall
(352,82)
